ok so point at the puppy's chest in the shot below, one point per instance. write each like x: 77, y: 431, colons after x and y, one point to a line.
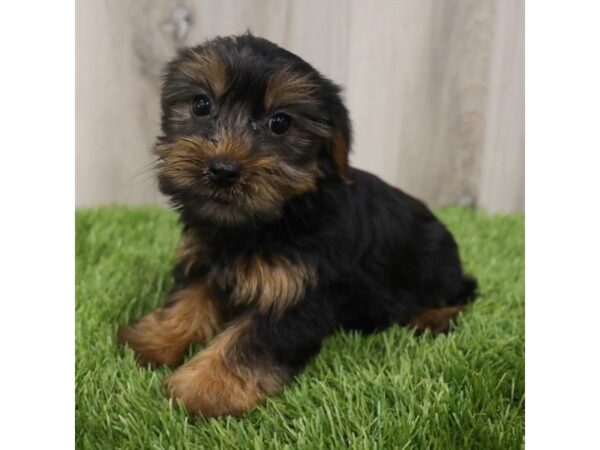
x: 268, y: 282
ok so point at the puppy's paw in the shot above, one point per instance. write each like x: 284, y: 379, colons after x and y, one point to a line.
x: 208, y: 388
x: 153, y: 343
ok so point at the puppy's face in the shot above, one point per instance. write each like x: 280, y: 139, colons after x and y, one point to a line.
x: 246, y: 127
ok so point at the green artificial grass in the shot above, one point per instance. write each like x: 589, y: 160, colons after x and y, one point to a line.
x: 385, y: 391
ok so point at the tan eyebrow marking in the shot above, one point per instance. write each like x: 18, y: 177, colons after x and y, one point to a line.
x: 208, y: 69
x: 288, y: 87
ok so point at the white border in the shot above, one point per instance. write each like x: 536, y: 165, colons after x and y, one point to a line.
x: 563, y: 224
x: 37, y: 227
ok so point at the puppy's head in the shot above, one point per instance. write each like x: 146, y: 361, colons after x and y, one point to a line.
x: 246, y: 127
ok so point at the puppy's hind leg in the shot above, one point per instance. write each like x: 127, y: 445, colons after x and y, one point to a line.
x: 439, y: 319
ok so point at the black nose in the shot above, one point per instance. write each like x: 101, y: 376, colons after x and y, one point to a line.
x: 224, y: 173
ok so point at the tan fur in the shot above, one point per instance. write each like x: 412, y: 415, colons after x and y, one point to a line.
x: 191, y: 252
x: 273, y: 284
x: 181, y: 114
x: 207, y: 69
x: 437, y: 320
x: 339, y: 154
x: 217, y: 382
x: 266, y: 183
x: 287, y: 87
x: 163, y: 336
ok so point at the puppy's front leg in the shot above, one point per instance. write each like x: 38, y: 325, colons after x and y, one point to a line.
x: 253, y: 358
x: 163, y: 336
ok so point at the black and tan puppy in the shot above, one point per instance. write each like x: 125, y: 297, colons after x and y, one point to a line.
x: 283, y: 242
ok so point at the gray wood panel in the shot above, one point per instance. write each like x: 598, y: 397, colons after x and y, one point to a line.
x: 435, y: 88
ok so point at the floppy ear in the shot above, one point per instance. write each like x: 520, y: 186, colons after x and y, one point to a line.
x: 340, y: 142
x: 339, y: 155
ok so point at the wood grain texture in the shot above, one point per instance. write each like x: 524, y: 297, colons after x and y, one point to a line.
x: 435, y: 88
x: 502, y: 182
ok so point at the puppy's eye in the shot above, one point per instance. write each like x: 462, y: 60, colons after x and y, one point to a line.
x: 201, y: 105
x: 280, y: 123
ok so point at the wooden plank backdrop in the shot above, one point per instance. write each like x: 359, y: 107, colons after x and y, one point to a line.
x: 435, y: 88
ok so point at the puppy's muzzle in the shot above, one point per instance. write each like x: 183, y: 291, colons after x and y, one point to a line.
x: 224, y: 172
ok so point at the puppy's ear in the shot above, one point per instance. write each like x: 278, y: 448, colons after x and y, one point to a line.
x: 341, y: 140
x: 339, y: 155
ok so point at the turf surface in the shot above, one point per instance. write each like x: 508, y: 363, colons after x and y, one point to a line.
x: 384, y: 391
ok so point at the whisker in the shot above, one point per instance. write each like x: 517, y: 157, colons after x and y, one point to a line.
x: 148, y: 167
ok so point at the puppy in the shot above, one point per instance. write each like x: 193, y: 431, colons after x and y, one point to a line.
x: 283, y: 242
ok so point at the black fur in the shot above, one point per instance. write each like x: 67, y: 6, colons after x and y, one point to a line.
x: 381, y: 256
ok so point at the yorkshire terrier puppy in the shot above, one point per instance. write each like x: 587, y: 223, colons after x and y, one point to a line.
x: 283, y: 242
